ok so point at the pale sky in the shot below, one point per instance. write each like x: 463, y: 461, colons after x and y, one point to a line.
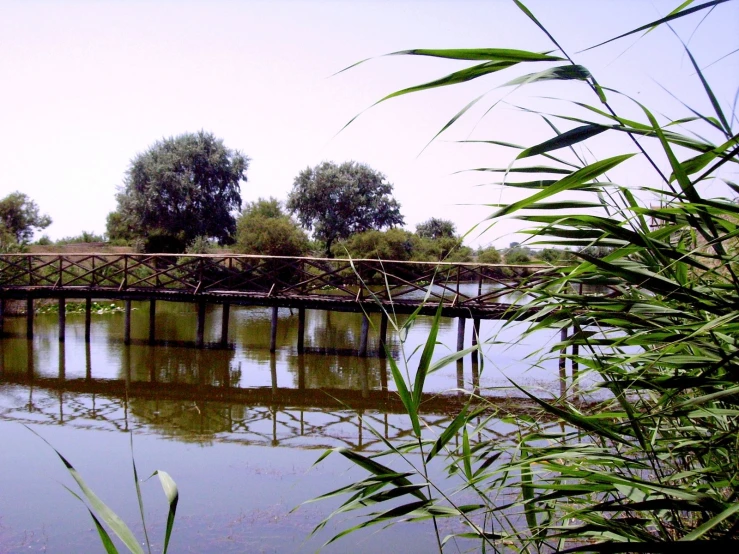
x: 89, y: 84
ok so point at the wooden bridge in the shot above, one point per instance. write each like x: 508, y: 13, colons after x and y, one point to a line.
x: 464, y: 290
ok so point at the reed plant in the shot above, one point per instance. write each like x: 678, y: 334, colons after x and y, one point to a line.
x: 101, y: 513
x: 652, y: 464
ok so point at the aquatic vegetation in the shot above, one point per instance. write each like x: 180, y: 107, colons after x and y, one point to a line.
x: 100, y: 511
x: 79, y: 308
x: 653, y: 463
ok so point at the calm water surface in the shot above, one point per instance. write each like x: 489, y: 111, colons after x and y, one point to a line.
x: 239, y: 429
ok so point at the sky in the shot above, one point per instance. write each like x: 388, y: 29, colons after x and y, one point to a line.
x: 88, y: 85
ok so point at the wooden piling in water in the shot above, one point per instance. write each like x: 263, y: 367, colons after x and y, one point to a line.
x: 62, y: 362
x: 273, y: 330
x: 575, y: 369
x: 88, y: 362
x: 29, y: 318
x: 201, y: 324
x: 62, y: 318
x: 461, y: 322
x: 475, y: 338
x: 152, y: 320
x: 301, y: 330
x: 88, y: 318
x: 562, y: 364
x: 364, y: 334
x: 127, y: 323
x: 225, y: 314
x: 383, y: 336
x: 2, y: 315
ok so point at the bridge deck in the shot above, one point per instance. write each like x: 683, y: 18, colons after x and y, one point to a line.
x: 480, y: 291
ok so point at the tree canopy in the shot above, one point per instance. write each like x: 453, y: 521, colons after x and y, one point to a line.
x: 264, y: 228
x: 181, y: 188
x: 20, y: 217
x: 436, y: 228
x: 337, y: 201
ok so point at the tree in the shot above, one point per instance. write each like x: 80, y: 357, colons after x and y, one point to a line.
x: 393, y: 244
x: 337, y: 201
x: 436, y: 228
x: 20, y: 217
x: 264, y: 228
x: 488, y: 255
x: 179, y: 189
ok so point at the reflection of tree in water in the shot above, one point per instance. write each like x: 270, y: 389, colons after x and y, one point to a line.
x: 189, y: 421
x: 180, y: 365
x: 321, y: 371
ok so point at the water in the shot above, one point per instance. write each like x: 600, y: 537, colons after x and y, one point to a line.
x: 239, y: 428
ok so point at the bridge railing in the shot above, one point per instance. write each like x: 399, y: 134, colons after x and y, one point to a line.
x: 460, y: 283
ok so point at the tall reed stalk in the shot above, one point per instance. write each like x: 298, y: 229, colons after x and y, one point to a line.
x: 654, y: 462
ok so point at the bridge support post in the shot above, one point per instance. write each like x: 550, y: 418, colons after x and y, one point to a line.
x: 563, y: 364
x: 273, y: 372
x: 62, y: 362
x: 88, y: 318
x: 2, y: 315
x: 475, y: 338
x: 383, y: 336
x: 575, y: 370
x: 301, y: 330
x: 461, y: 322
x: 152, y: 320
x: 62, y: 318
x: 127, y: 323
x: 363, y: 336
x: 273, y: 330
x: 460, y: 377
x: 225, y: 313
x: 29, y: 318
x: 201, y: 324
x: 88, y: 362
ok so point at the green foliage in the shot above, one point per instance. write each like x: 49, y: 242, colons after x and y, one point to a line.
x: 80, y: 308
x: 264, y: 228
x: 85, y: 236
x: 338, y: 201
x: 98, y: 510
x: 488, y: 255
x: 200, y: 245
x: 393, y: 244
x: 8, y: 244
x: 180, y: 188
x: 517, y: 255
x: 44, y: 241
x: 436, y: 228
x: 650, y: 463
x: 445, y: 249
x: 20, y: 218
x: 553, y: 255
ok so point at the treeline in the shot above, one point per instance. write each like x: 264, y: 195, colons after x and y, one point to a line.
x: 184, y: 195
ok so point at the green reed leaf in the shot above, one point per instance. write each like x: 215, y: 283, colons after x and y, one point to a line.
x: 574, y: 180
x: 105, y: 513
x: 671, y: 17
x: 564, y: 140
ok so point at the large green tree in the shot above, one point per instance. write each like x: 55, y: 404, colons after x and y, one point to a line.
x: 337, y: 201
x: 180, y: 188
x: 20, y: 217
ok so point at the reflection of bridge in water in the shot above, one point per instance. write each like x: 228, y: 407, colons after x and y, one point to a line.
x: 462, y: 290
x: 268, y: 416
